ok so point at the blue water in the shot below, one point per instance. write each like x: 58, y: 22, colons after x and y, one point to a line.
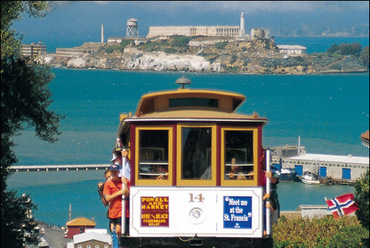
x: 328, y: 112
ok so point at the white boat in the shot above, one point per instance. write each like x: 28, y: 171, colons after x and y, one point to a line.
x: 310, y: 178
x: 288, y: 174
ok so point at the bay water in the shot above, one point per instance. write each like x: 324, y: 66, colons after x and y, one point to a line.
x: 328, y: 112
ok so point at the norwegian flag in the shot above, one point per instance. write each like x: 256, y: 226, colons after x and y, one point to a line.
x: 342, y: 205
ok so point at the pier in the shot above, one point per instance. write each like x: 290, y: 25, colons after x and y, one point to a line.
x: 74, y: 167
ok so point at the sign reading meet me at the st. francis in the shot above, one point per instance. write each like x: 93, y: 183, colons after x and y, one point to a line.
x: 238, y: 212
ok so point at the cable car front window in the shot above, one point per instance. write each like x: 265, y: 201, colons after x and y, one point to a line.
x: 153, y: 155
x: 196, y: 153
x: 239, y: 155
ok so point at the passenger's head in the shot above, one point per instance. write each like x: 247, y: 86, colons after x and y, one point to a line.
x: 113, y: 170
x: 107, y: 174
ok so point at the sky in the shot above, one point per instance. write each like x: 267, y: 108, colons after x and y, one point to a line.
x: 71, y: 23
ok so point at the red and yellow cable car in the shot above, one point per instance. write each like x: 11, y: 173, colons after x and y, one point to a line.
x: 196, y: 171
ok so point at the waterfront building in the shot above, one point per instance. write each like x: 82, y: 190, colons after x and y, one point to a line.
x: 33, y: 50
x: 338, y: 167
x: 292, y: 50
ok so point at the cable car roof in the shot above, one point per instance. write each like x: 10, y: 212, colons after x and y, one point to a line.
x: 188, y: 99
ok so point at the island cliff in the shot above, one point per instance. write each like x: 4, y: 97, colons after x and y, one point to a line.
x: 199, y: 54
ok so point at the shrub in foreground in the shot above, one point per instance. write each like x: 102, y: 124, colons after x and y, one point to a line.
x: 323, y: 232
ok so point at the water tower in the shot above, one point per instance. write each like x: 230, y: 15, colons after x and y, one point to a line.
x: 132, y: 28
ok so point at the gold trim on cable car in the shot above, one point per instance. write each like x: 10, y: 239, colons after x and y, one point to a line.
x: 239, y: 156
x: 153, y: 156
x: 196, y: 154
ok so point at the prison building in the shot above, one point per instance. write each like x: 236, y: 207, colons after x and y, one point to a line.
x: 33, y: 49
x: 229, y: 31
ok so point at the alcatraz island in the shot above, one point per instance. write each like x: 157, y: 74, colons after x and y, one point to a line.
x: 220, y: 49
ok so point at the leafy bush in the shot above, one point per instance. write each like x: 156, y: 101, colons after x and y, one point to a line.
x: 111, y: 49
x: 181, y: 41
x: 170, y: 50
x: 345, y: 49
x: 322, y: 232
x: 364, y: 56
x: 233, y: 59
x: 221, y: 45
x: 362, y: 199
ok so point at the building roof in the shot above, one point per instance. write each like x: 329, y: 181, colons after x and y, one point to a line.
x: 81, y: 221
x: 83, y: 237
x: 291, y: 47
x: 332, y: 158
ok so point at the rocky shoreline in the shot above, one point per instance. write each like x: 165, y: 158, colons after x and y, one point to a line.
x: 247, y: 57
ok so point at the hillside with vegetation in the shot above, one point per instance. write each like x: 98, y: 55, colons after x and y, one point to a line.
x: 212, y: 54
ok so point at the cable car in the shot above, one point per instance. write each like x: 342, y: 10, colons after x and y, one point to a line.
x: 196, y: 171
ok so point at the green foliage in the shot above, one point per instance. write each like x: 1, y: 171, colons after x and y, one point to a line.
x: 322, y: 232
x: 233, y: 59
x: 126, y: 42
x: 17, y: 222
x: 362, y: 199
x: 151, y: 46
x: 181, y: 41
x: 364, y: 56
x: 112, y: 48
x: 170, y: 50
x: 345, y: 49
x: 25, y: 99
x: 221, y: 45
x: 350, y: 237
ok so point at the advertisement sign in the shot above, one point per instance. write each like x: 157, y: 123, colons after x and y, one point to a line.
x: 154, y: 211
x: 238, y: 212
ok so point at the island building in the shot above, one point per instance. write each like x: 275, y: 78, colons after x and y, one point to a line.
x: 33, y: 50
x: 345, y: 169
x: 257, y: 33
x: 292, y: 50
x: 228, y: 31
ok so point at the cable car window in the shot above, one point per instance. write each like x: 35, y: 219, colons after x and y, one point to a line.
x: 239, y: 155
x: 194, y: 102
x: 196, y: 153
x: 153, y: 154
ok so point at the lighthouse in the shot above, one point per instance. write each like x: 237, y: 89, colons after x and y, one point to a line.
x: 241, y: 29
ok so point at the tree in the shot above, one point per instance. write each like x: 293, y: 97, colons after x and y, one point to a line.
x: 362, y: 199
x: 25, y: 99
x: 364, y: 56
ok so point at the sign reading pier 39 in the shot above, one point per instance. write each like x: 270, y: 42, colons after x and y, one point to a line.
x: 201, y: 211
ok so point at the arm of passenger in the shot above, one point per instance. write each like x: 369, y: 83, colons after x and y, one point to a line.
x: 272, y: 178
x: 109, y: 198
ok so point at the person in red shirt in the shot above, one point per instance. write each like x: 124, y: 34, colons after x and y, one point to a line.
x: 113, y: 192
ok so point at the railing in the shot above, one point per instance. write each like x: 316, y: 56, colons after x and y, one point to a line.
x: 27, y: 168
